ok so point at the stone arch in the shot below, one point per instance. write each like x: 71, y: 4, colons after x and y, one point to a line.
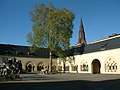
x: 84, y: 65
x: 110, y: 64
x: 67, y: 66
x: 96, y: 65
x: 59, y: 68
x: 74, y: 67
x: 29, y: 66
x: 40, y: 66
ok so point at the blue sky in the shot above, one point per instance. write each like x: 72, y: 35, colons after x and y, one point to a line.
x: 101, y: 18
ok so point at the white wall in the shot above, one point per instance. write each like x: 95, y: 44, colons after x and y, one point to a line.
x: 102, y: 56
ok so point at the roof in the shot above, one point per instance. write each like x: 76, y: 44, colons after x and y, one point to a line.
x: 16, y: 50
x: 109, y: 37
x: 103, y: 45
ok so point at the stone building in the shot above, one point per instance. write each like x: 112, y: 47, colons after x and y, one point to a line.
x: 100, y: 56
x: 31, y: 62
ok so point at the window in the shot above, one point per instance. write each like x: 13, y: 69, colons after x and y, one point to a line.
x: 59, y: 68
x: 74, y: 68
x: 110, y: 65
x: 103, y: 46
x: 66, y: 68
x: 84, y: 66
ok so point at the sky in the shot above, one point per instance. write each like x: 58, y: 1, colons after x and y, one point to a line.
x: 101, y: 18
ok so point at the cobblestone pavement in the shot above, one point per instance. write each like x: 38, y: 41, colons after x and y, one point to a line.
x: 64, y: 77
x: 63, y: 82
x: 67, y: 77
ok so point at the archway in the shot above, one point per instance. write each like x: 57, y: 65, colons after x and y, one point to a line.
x: 40, y: 66
x: 96, y: 66
x: 30, y: 67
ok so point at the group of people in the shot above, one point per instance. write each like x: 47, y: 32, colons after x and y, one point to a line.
x: 43, y: 69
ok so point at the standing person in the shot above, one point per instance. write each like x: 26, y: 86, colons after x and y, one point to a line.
x: 33, y: 67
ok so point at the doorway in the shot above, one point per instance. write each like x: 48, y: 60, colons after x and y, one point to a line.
x: 29, y: 67
x: 96, y: 66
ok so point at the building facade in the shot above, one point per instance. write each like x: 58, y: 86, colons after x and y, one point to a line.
x: 98, y: 57
x: 31, y: 62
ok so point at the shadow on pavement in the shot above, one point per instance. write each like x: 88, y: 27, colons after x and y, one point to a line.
x: 64, y: 85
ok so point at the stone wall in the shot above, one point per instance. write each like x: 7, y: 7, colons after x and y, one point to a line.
x: 34, y: 62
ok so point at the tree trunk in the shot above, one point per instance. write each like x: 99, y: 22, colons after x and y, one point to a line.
x: 63, y: 66
x: 50, y: 62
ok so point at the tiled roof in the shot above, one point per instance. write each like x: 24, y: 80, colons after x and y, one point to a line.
x: 99, y: 46
x: 103, y: 45
x: 15, y: 50
x: 113, y: 43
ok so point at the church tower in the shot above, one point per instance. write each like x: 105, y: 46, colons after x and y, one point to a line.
x: 81, y: 38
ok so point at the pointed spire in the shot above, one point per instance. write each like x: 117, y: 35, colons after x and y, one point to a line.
x: 81, y: 39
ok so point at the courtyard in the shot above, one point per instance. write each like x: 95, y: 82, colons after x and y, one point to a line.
x: 63, y: 82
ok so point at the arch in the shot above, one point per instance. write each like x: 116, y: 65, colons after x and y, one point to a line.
x: 30, y: 66
x: 84, y: 66
x: 59, y: 68
x: 40, y: 66
x: 110, y: 64
x: 66, y: 66
x: 96, y: 66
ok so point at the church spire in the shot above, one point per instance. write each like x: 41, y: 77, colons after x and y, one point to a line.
x: 81, y: 39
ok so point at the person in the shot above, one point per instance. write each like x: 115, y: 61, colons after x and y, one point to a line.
x: 29, y: 68
x: 33, y: 67
x: 19, y: 65
x: 14, y: 60
x: 46, y: 70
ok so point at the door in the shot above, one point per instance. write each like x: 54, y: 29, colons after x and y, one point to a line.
x: 96, y: 66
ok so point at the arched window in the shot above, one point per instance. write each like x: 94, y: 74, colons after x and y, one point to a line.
x: 110, y: 65
x: 30, y: 67
x: 74, y: 67
x: 59, y: 68
x: 66, y: 68
x: 84, y: 66
x: 40, y: 66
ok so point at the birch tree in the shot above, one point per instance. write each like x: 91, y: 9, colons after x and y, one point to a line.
x: 52, y: 27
